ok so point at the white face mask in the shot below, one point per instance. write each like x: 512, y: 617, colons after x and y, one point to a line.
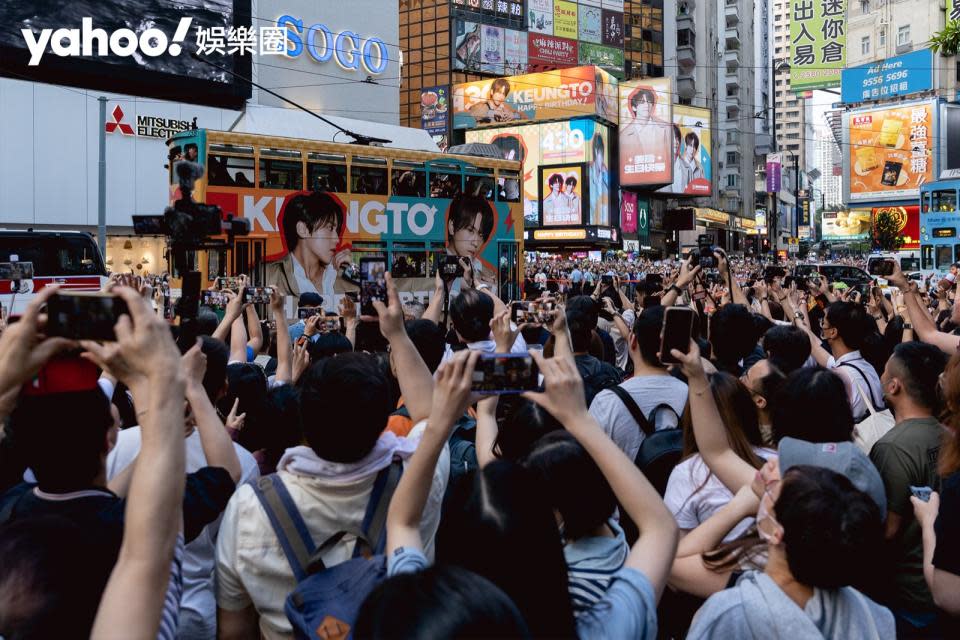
x: 766, y: 523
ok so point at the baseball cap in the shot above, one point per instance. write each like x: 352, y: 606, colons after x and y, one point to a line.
x: 841, y: 457
x: 310, y: 299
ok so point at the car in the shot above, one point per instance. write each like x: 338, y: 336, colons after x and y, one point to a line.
x: 853, y: 277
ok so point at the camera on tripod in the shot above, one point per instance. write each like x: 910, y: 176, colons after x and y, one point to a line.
x: 189, y: 225
x: 706, y: 252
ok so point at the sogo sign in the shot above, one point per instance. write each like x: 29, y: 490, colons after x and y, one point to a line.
x: 349, y: 49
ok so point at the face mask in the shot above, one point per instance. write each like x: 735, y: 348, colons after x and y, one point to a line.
x: 765, y: 521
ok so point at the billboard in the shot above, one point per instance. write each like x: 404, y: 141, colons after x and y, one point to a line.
x: 609, y: 58
x: 891, y: 151
x: 434, y: 107
x: 646, y: 132
x: 819, y: 43
x: 628, y: 212
x: 550, y: 95
x: 491, y: 49
x: 692, y: 155
x: 891, y: 78
x: 565, y: 19
x: 514, y: 52
x: 467, y: 45
x: 612, y: 28
x: 908, y: 223
x: 854, y: 224
x: 561, y: 195
x: 167, y: 71
x: 577, y: 141
x: 774, y: 171
x: 588, y: 25
x: 546, y: 53
x: 540, y: 14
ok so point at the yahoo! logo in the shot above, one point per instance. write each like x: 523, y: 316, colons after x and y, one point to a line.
x: 349, y: 49
x: 122, y: 42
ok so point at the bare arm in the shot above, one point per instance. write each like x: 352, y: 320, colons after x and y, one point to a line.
x: 284, y: 348
x: 216, y: 442
x: 348, y: 311
x: 254, y: 330
x: 688, y: 273
x: 233, y: 311
x: 238, y: 341
x: 944, y: 586
x: 923, y: 324
x: 134, y: 595
x: 487, y: 430
x: 434, y: 310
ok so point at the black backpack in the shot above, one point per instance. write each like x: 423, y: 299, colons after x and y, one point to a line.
x: 661, y: 450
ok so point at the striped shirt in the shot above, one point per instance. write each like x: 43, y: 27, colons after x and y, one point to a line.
x: 592, y: 564
x: 170, y: 617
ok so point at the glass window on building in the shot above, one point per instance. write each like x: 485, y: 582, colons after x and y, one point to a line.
x: 882, y: 37
x: 865, y: 45
x: 903, y: 35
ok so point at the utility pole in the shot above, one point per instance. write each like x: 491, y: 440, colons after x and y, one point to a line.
x: 102, y: 181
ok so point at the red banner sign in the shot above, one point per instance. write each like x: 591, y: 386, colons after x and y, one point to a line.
x: 546, y: 53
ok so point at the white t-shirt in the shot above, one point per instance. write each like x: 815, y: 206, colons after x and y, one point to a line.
x: 198, y: 607
x: 647, y: 392
x: 861, y: 372
x: 691, y: 507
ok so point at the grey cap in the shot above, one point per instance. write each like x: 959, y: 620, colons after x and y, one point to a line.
x: 842, y: 457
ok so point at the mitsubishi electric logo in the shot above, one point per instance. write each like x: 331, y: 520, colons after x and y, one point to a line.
x: 147, y: 126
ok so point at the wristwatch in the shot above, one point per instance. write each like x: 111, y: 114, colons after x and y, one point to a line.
x: 907, y: 325
x: 798, y: 315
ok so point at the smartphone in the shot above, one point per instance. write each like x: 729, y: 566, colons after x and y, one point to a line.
x: 881, y: 268
x: 505, y: 373
x: 329, y: 324
x: 214, y: 299
x: 231, y: 283
x: 81, y: 315
x: 16, y: 270
x: 533, y: 312
x: 257, y: 295
x: 922, y: 493
x: 307, y: 312
x: 891, y: 173
x: 770, y: 273
x: 451, y: 268
x: 787, y: 281
x: 302, y: 340
x: 655, y: 280
x: 677, y: 327
x: 606, y: 280
x: 373, y: 285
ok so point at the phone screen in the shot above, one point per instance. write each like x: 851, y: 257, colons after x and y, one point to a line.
x: 451, y: 268
x: 329, y: 324
x: 504, y: 373
x: 533, y: 312
x: 215, y: 299
x: 881, y: 267
x: 228, y: 283
x: 307, y: 312
x: 257, y: 295
x: 677, y: 326
x: 84, y: 316
x: 373, y: 285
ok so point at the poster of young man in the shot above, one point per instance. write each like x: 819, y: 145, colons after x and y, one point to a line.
x: 646, y: 132
x: 561, y: 190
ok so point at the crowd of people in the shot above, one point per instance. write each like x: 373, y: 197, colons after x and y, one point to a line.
x: 790, y: 472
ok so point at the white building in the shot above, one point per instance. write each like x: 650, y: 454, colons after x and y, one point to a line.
x: 829, y: 162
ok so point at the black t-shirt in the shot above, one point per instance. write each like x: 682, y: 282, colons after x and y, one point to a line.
x: 946, y: 557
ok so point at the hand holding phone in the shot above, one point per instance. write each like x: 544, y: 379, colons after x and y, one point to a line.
x: 373, y: 284
x: 921, y: 493
x: 214, y: 299
x: 505, y: 373
x: 257, y: 295
x: 882, y: 268
x: 677, y: 329
x: 79, y: 315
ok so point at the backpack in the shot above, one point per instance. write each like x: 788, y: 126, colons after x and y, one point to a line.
x: 326, y: 601
x: 596, y: 381
x: 661, y: 450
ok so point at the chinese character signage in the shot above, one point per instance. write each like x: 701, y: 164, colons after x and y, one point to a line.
x: 588, y: 23
x: 610, y: 58
x: 890, y: 78
x: 692, y: 170
x: 546, y: 53
x: 818, y: 43
x: 434, y: 107
x: 491, y: 47
x: 774, y: 169
x: 891, y: 151
x: 612, y: 28
x: 562, y: 93
x: 854, y: 224
x: 514, y: 52
x: 646, y: 132
x: 565, y: 19
x: 908, y: 223
x: 628, y: 212
x: 540, y: 13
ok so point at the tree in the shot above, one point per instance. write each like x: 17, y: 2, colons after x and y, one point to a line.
x: 947, y: 42
x: 886, y: 231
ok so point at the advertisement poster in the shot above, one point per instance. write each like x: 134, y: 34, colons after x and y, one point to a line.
x: 891, y: 78
x: 610, y: 58
x: 953, y: 10
x: 491, y: 46
x: 540, y: 14
x: 628, y: 212
x: 891, y: 151
x: 434, y: 107
x: 466, y: 45
x: 854, y: 224
x: 588, y: 23
x: 599, y: 172
x: 514, y: 52
x: 565, y: 19
x: 613, y: 5
x: 819, y: 44
x: 646, y: 132
x: 539, y: 96
x: 581, y: 140
x: 562, y: 203
x: 546, y: 53
x: 908, y: 223
x: 612, y: 28
x: 774, y: 171
x: 692, y: 170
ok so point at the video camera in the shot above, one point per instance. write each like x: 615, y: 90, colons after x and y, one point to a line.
x: 706, y: 252
x: 189, y: 224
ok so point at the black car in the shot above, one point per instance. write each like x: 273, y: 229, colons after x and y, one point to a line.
x: 853, y: 277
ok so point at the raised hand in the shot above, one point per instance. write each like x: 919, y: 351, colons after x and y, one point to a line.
x: 563, y: 394
x: 23, y: 347
x: 504, y: 334
x: 690, y: 362
x: 391, y: 314
x: 451, y: 392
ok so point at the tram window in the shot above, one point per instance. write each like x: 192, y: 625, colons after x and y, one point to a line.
x: 281, y: 174
x: 327, y: 177
x: 409, y: 260
x: 230, y: 171
x: 481, y: 186
x: 945, y: 200
x: 445, y: 185
x: 409, y: 179
x: 368, y: 180
x: 944, y: 256
x: 509, y: 186
x: 911, y: 264
x: 926, y: 257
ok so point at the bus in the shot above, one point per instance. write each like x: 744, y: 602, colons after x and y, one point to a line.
x: 939, y: 226
x: 317, y: 208
x: 66, y: 258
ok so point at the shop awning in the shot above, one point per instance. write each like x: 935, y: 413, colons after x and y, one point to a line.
x: 291, y: 123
